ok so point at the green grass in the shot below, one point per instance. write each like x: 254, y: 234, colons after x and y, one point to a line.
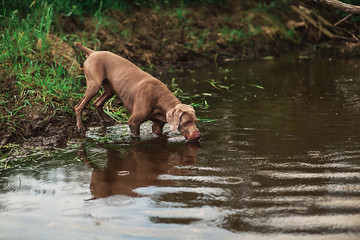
x: 31, y: 75
x: 25, y: 51
x: 51, y: 84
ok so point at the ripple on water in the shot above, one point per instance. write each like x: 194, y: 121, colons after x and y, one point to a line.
x: 309, y: 175
x: 204, y: 179
x: 118, y: 200
x: 110, y: 207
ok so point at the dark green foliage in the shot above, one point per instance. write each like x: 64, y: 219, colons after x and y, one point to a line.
x: 84, y: 7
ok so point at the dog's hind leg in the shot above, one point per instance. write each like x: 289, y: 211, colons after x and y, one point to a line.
x: 93, y: 87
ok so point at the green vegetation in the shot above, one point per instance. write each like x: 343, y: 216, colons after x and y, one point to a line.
x: 32, y: 76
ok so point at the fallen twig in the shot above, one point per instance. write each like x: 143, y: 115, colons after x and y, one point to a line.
x: 313, y: 22
x: 343, y: 20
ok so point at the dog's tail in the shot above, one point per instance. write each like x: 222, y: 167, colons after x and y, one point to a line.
x: 86, y: 50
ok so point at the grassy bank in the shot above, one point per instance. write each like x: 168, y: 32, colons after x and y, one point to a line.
x: 40, y: 80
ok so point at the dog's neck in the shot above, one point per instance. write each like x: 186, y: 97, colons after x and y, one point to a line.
x: 169, y: 103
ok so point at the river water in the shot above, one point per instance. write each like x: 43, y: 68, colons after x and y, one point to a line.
x: 279, y: 159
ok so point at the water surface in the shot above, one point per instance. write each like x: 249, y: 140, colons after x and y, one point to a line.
x: 280, y: 161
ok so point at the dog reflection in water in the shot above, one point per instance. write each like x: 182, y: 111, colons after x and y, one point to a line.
x: 139, y: 167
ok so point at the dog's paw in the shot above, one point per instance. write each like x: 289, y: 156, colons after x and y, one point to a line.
x: 81, y: 131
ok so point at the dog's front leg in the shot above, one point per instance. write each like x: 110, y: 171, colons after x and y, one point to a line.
x: 134, y: 123
x: 157, y: 127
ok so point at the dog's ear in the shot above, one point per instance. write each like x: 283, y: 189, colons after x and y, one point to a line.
x: 190, y: 109
x: 173, y: 118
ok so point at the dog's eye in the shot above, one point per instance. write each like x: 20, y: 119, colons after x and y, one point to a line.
x: 187, y: 123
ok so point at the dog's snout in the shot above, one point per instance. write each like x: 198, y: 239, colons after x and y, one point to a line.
x: 195, y: 136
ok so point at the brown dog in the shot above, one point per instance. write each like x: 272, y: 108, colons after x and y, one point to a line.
x: 144, y: 96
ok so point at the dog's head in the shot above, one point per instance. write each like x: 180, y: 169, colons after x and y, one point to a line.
x: 182, y: 117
